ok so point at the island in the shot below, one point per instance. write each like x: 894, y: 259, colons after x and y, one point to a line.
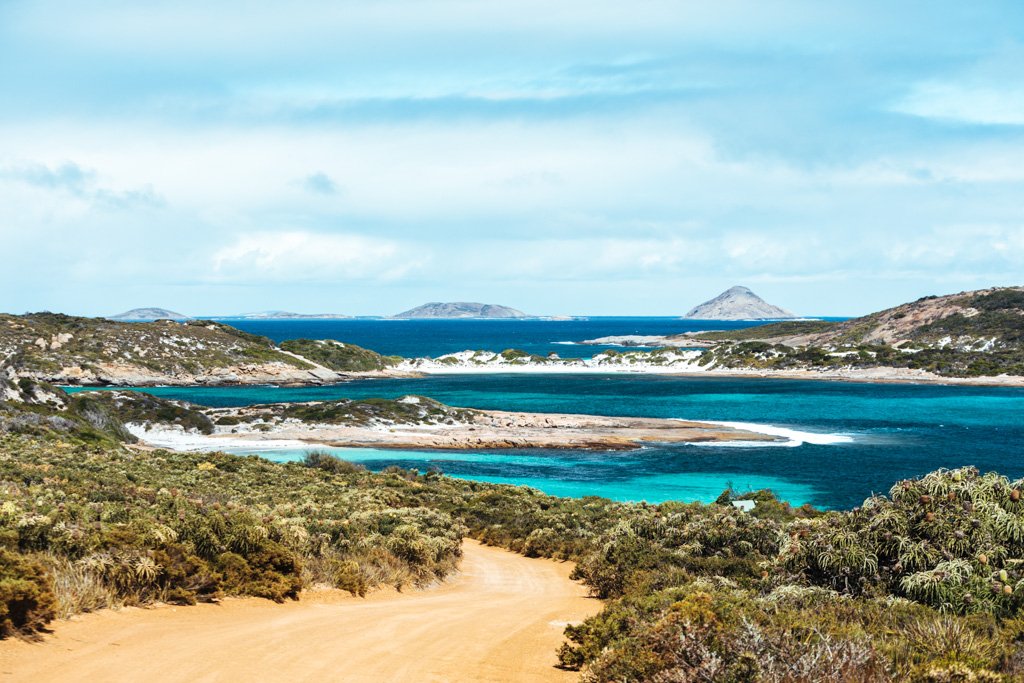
x: 461, y: 309
x: 148, y: 315
x: 284, y: 315
x: 738, y: 303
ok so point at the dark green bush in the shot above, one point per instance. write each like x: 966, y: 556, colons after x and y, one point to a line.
x: 330, y: 463
x: 27, y: 602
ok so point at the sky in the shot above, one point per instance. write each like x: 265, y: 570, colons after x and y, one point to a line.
x: 578, y: 157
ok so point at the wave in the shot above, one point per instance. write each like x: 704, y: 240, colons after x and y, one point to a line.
x: 567, y: 343
x: 793, y: 437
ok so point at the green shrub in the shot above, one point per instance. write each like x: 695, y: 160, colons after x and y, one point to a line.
x: 27, y: 602
x: 322, y: 460
x: 340, y: 357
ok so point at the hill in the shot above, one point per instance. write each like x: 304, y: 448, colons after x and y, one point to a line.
x: 147, y: 315
x: 339, y: 356
x: 737, y: 303
x: 969, y: 334
x: 978, y: 320
x: 461, y: 309
x: 65, y: 349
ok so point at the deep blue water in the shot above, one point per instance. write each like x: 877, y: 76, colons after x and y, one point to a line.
x: 898, y: 431
x: 415, y: 338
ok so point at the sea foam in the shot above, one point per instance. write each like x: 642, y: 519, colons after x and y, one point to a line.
x: 793, y: 437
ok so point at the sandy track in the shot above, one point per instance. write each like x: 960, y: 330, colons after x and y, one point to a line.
x: 500, y: 619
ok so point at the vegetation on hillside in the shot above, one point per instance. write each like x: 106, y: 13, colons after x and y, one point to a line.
x: 405, y: 410
x: 47, y: 345
x: 975, y: 334
x: 948, y: 362
x: 962, y: 320
x: 338, y: 356
x: 786, y: 328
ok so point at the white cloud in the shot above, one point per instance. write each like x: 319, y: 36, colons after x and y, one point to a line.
x: 81, y: 183
x: 995, y: 104
x: 320, y: 183
x: 298, y: 256
x: 991, y: 92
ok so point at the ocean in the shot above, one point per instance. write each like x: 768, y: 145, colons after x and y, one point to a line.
x: 846, y: 440
x: 417, y: 338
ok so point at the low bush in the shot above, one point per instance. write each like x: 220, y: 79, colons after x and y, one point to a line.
x: 27, y: 602
x: 322, y: 460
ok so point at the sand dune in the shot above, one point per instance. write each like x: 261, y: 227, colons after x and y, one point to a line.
x: 500, y: 619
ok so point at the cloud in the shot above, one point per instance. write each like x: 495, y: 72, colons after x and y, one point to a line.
x: 299, y: 256
x: 582, y: 151
x: 320, y: 183
x: 988, y: 92
x: 66, y: 176
x: 981, y: 103
x: 80, y: 182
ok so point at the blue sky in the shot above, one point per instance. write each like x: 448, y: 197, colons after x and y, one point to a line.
x: 574, y: 157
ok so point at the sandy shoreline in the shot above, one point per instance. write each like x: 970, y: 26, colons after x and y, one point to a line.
x: 482, y: 429
x: 868, y: 375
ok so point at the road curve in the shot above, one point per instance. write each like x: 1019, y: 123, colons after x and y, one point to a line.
x: 499, y: 619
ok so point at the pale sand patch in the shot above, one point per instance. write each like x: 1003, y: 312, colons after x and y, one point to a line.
x: 499, y: 619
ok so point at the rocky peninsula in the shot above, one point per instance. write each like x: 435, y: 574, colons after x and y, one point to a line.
x: 411, y: 422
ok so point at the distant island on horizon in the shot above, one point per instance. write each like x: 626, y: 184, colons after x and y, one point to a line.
x: 462, y: 309
x: 738, y: 303
x: 148, y: 314
x: 285, y: 315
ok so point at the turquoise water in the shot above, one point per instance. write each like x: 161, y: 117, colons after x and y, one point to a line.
x: 896, y: 431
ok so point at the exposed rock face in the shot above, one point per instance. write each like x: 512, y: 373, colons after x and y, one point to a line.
x: 461, y: 309
x: 147, y: 315
x: 738, y: 303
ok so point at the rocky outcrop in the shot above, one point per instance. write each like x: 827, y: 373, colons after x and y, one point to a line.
x: 738, y: 303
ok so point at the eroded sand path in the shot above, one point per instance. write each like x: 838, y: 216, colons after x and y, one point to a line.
x: 500, y: 619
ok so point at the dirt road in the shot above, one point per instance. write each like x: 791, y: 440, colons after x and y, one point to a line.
x: 500, y: 619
